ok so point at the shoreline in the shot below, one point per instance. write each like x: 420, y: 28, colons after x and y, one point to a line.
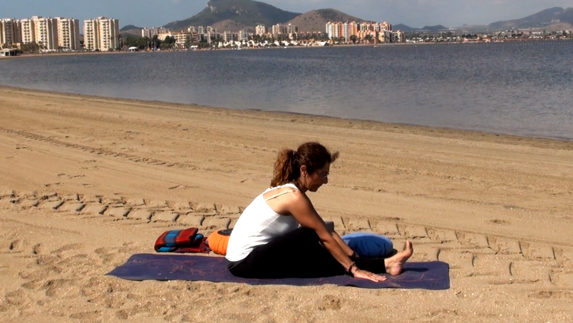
x: 360, y: 123
x: 380, y: 45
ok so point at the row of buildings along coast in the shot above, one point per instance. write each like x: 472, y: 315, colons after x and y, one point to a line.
x: 335, y: 32
x: 52, y: 34
x: 342, y: 32
x: 102, y: 33
x: 375, y: 32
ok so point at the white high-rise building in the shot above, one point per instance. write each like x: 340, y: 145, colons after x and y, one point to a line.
x: 9, y: 31
x: 150, y: 32
x: 28, y: 31
x: 48, y: 33
x: 292, y: 29
x: 90, y: 30
x: 109, y: 32
x: 45, y: 32
x: 242, y: 35
x: 278, y: 29
x: 68, y: 33
x: 101, y: 33
x: 260, y: 30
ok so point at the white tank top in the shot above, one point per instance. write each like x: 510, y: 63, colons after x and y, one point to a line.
x: 258, y: 225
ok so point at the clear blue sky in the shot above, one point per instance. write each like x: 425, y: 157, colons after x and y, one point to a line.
x: 414, y: 13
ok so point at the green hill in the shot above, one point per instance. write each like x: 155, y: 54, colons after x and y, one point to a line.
x: 246, y: 13
x: 316, y: 20
x: 130, y: 30
x: 129, y: 27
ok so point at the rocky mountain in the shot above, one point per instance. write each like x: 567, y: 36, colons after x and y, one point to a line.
x: 238, y: 14
x: 550, y: 19
x: 316, y: 20
x: 234, y: 15
x: 541, y: 19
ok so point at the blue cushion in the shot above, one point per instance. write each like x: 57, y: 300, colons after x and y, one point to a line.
x: 367, y: 244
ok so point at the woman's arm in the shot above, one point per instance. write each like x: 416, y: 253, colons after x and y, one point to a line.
x: 343, y: 244
x: 302, y: 209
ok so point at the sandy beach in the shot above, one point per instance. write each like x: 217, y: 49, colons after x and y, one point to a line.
x: 85, y: 182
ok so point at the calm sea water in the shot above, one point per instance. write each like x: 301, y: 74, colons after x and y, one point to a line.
x: 513, y: 88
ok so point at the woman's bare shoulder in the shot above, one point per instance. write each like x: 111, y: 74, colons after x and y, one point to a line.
x: 283, y: 191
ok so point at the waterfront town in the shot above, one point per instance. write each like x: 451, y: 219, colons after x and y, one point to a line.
x: 44, y: 35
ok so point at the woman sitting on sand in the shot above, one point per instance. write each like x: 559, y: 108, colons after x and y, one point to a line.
x: 267, y: 241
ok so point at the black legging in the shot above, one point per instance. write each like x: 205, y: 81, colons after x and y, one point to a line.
x: 297, y: 254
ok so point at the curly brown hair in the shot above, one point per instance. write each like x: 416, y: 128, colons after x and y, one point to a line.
x: 288, y: 163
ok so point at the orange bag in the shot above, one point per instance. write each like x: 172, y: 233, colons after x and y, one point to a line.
x: 219, y: 240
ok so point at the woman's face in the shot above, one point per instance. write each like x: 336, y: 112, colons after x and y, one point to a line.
x: 320, y: 177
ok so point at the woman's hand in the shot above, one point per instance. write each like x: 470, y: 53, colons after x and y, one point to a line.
x: 359, y: 273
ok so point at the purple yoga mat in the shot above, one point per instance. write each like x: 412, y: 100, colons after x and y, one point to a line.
x: 432, y: 275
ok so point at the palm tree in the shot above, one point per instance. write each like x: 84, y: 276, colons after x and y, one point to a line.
x: 353, y: 38
x: 41, y: 46
x: 120, y: 41
x: 368, y: 38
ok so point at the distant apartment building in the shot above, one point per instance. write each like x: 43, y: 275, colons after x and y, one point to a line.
x: 182, y: 38
x: 150, y: 32
x: 291, y: 29
x: 49, y: 33
x: 27, y: 31
x: 278, y: 29
x: 8, y: 31
x: 164, y: 35
x: 333, y: 29
x: 45, y: 32
x: 353, y: 28
x: 90, y: 35
x: 40, y: 30
x: 5, y: 35
x: 17, y: 30
x: 399, y: 36
x: 260, y: 30
x: 211, y: 37
x: 376, y: 32
x: 375, y: 26
x: 242, y: 35
x: 68, y: 33
x: 101, y: 34
x: 346, y: 32
x: 385, y: 36
x: 228, y: 36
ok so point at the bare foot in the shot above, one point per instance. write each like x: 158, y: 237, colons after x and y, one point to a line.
x: 395, y: 263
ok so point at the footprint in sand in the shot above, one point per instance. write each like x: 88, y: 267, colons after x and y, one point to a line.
x: 38, y: 249
x: 329, y: 302
x: 498, y: 222
x: 17, y: 245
